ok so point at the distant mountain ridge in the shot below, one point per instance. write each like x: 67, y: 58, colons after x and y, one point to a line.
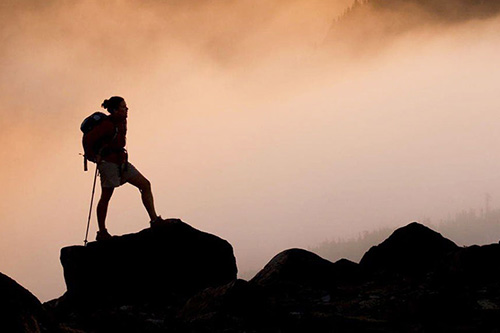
x: 465, y: 227
x: 442, y: 9
x: 373, y: 22
x: 439, y: 9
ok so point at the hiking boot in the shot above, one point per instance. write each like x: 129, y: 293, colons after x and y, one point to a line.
x: 103, y: 235
x: 156, y: 222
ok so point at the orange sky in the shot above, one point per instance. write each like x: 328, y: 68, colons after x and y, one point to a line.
x: 247, y: 125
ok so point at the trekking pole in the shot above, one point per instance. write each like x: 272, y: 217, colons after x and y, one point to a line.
x: 90, y: 210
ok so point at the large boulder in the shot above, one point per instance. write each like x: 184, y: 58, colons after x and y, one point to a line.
x: 171, y: 261
x: 414, y: 250
x: 301, y: 267
x: 20, y: 310
x: 295, y: 266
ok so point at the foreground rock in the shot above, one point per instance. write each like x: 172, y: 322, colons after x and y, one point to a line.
x: 170, y: 261
x: 20, y: 311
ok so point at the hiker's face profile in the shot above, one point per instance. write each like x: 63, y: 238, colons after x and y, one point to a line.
x: 122, y: 110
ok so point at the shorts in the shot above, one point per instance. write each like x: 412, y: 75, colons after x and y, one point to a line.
x: 112, y: 177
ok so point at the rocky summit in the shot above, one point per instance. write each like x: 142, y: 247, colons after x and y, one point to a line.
x: 171, y: 260
x: 174, y: 278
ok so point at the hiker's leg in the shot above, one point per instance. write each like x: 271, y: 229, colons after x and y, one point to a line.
x: 144, y: 186
x: 102, y: 206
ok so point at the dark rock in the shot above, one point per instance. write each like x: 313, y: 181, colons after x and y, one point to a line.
x: 346, y: 271
x: 295, y: 282
x: 20, y: 310
x: 236, y: 304
x: 303, y: 292
x: 414, y: 249
x: 301, y: 267
x: 473, y: 264
x: 295, y: 266
x: 237, y: 297
x: 170, y: 261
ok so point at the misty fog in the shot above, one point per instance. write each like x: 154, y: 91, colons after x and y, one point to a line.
x: 250, y: 122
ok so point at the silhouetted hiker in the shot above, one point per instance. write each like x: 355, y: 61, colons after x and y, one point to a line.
x: 105, y: 145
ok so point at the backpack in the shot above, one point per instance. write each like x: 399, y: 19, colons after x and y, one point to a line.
x: 92, y: 121
x: 88, y: 125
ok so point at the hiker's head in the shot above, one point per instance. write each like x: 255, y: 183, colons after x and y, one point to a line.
x: 116, y: 106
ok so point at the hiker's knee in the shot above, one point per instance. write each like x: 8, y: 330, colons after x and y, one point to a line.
x: 141, y: 183
x: 145, y: 185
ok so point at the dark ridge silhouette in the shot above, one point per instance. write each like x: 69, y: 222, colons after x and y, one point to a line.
x: 174, y: 278
x: 169, y: 261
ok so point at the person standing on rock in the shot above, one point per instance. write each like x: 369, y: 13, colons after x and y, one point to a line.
x: 107, y: 142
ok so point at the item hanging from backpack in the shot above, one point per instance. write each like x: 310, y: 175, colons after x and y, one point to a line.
x: 88, y: 125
